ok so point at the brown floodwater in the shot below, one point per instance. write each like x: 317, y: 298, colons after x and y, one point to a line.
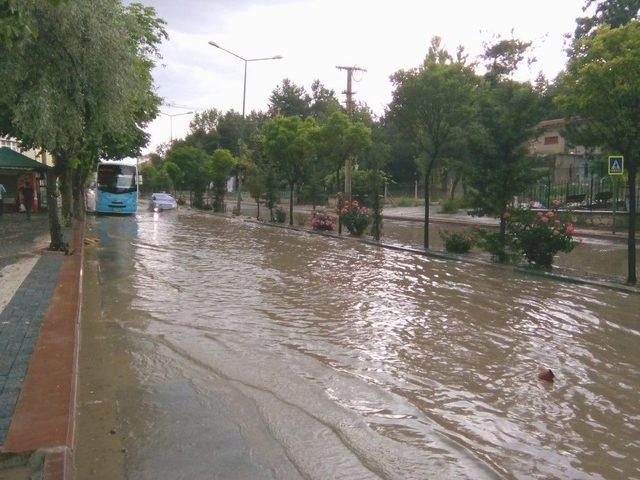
x: 264, y: 353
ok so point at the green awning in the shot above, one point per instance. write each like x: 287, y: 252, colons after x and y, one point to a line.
x: 12, y: 160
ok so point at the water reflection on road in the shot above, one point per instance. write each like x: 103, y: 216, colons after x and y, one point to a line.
x: 269, y: 354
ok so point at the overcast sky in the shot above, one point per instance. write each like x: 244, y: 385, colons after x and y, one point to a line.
x: 314, y: 36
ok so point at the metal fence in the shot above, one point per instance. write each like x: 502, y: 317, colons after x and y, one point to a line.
x: 594, y: 194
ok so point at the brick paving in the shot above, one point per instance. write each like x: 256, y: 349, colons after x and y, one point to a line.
x: 20, y: 323
x: 20, y: 237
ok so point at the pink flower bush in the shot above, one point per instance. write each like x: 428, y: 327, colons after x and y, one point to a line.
x: 322, y: 221
x: 355, y: 218
x: 539, y: 236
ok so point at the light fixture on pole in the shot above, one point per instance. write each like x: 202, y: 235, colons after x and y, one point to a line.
x: 171, y: 115
x: 244, y: 96
x: 246, y: 61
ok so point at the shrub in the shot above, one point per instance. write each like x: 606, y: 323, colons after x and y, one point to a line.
x: 450, y: 206
x: 181, y: 201
x: 279, y: 215
x: 489, y: 241
x: 539, y: 236
x: 207, y: 206
x: 322, y: 221
x: 457, y: 242
x: 355, y: 217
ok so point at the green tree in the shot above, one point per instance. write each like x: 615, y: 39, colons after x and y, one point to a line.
x: 289, y: 99
x: 508, y: 114
x: 601, y: 96
x: 176, y: 176
x: 323, y: 101
x: 435, y: 103
x: 289, y: 145
x: 255, y: 183
x: 614, y: 13
x: 204, y: 130
x: 16, y: 20
x: 149, y: 174
x: 339, y: 139
x: 81, y: 88
x: 503, y: 57
x: 221, y: 166
x: 196, y: 167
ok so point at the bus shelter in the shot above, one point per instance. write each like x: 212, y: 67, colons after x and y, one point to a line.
x: 17, y: 170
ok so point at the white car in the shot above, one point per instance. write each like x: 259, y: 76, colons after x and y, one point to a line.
x: 162, y: 201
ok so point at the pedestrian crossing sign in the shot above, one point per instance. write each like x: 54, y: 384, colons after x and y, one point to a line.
x: 616, y: 165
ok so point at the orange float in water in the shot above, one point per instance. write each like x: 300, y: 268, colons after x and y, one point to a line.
x: 546, y: 375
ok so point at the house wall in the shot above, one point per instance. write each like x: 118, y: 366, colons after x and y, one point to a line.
x: 13, y: 144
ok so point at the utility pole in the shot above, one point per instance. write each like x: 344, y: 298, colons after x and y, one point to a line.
x: 350, y: 105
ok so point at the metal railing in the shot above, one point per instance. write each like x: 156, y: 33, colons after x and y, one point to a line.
x: 593, y: 194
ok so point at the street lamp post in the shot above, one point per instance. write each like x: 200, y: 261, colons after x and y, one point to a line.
x: 244, y: 97
x: 171, y: 115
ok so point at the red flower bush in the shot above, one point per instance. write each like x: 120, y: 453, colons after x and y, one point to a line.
x: 355, y: 217
x: 322, y: 221
x: 539, y: 236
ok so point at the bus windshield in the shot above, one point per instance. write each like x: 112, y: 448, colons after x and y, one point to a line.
x: 117, y: 178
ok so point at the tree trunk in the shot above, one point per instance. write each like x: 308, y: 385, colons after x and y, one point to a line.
x: 454, y: 185
x: 79, y: 206
x: 258, y: 215
x: 218, y: 199
x: 197, y: 198
x: 66, y: 186
x: 444, y: 176
x: 291, y: 185
x: 631, y: 242
x: 376, y: 208
x: 427, y: 181
x: 57, y: 242
x: 239, y: 194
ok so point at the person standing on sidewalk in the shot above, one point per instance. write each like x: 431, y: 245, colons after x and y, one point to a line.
x: 27, y: 198
x: 2, y: 194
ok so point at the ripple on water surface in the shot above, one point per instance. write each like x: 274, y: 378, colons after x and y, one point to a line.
x: 378, y: 363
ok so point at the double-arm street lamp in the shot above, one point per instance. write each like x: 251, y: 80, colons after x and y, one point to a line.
x: 246, y: 61
x: 244, y: 96
x: 171, y: 115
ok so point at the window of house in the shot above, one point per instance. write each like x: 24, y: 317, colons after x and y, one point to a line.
x: 552, y: 140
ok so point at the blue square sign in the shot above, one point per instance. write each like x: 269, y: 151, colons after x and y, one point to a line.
x: 616, y: 165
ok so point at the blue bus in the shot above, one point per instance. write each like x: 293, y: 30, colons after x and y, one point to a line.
x: 117, y: 187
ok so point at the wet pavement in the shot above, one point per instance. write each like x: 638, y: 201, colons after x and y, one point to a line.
x: 241, y: 351
x: 20, y: 323
x: 19, y: 237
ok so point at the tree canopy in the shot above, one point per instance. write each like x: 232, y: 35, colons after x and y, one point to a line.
x: 600, y: 93
x: 434, y: 103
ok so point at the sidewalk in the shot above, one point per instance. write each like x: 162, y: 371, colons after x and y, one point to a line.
x: 416, y: 214
x: 38, y: 349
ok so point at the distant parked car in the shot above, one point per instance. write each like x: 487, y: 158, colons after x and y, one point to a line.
x: 162, y: 201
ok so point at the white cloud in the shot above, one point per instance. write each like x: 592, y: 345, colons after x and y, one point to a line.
x: 316, y: 35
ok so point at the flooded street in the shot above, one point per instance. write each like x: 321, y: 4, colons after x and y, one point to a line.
x: 251, y: 352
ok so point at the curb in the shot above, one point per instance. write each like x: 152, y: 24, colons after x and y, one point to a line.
x: 44, y: 417
x: 460, y: 258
